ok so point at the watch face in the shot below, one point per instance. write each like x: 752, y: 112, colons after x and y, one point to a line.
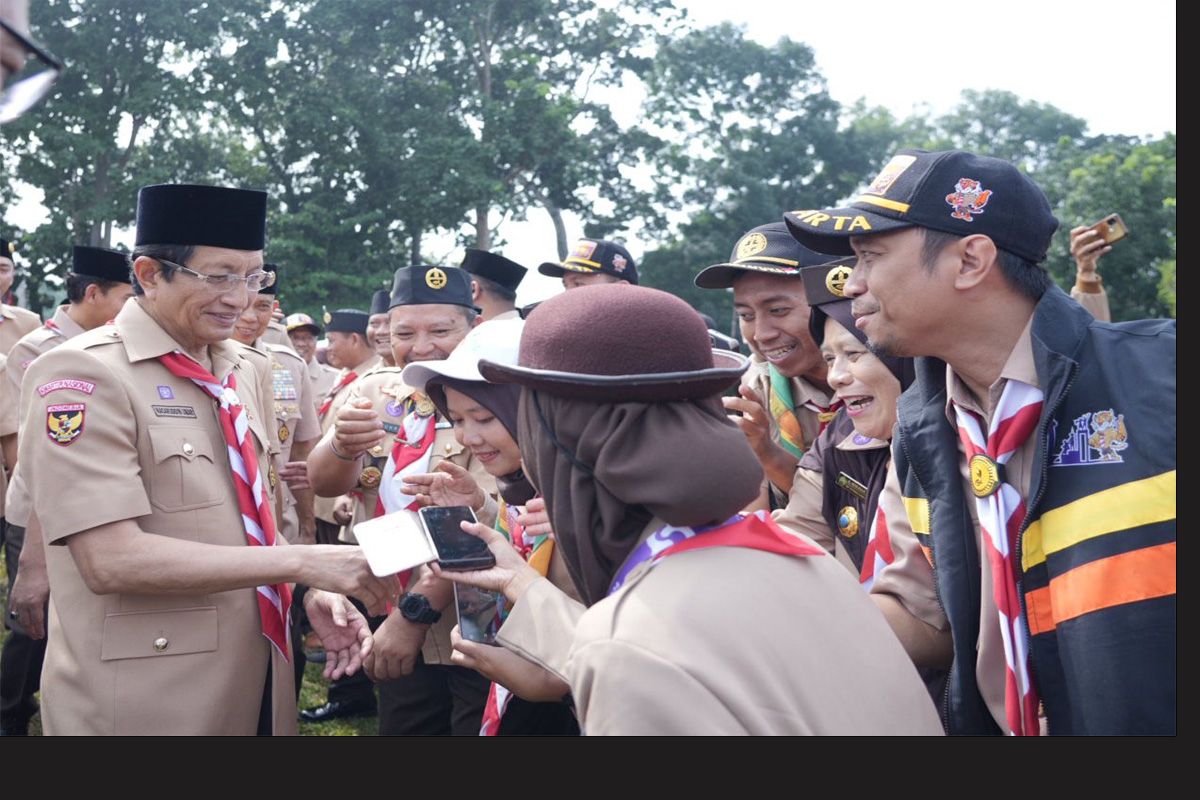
x: 411, y: 604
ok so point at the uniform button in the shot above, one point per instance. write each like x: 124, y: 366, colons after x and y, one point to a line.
x: 449, y: 447
x: 188, y: 449
x: 161, y: 644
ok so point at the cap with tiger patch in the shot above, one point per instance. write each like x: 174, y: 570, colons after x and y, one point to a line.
x: 592, y: 256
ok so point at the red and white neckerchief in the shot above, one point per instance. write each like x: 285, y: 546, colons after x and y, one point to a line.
x: 825, y: 414
x: 52, y: 325
x: 344, y: 381
x: 274, y: 601
x: 1001, y: 511
x: 411, y: 453
x: 878, y: 553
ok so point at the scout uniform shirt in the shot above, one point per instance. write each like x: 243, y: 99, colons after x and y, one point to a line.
x: 321, y: 378
x: 110, y: 435
x: 910, y: 578
x: 295, y: 421
x: 661, y: 656
x: 323, y: 506
x: 57, y: 330
x: 386, y: 391
x: 852, y: 489
x: 15, y: 322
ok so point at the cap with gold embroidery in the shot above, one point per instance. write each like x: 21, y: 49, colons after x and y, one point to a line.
x: 949, y: 191
x: 431, y: 285
x: 7, y: 249
x: 595, y: 255
x: 768, y: 248
x: 346, y: 320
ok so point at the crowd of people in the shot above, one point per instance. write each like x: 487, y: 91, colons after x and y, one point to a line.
x: 937, y: 495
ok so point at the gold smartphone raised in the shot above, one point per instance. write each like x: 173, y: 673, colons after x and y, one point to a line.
x: 1112, y: 228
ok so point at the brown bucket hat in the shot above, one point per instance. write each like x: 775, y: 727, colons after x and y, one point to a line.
x: 619, y: 343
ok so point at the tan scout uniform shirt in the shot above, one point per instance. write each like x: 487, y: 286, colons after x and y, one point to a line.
x: 4, y: 400
x: 31, y: 345
x: 15, y: 322
x: 384, y: 388
x: 295, y: 421
x: 909, y: 578
x: 677, y: 651
x: 321, y: 378
x: 323, y: 506
x: 276, y: 334
x: 758, y: 379
x: 148, y: 447
x: 803, y: 513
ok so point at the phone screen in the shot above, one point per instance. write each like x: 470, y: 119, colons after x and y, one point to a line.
x: 480, y: 613
x: 456, y: 548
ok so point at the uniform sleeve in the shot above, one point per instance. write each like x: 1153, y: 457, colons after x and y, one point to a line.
x: 622, y: 689
x: 79, y: 452
x: 310, y: 426
x: 803, y: 511
x: 1093, y: 297
x: 909, y: 575
x: 19, y: 359
x: 542, y: 625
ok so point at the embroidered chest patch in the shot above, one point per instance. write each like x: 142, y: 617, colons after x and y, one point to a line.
x: 1095, y: 437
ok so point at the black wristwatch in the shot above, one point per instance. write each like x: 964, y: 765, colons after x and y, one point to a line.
x: 415, y: 608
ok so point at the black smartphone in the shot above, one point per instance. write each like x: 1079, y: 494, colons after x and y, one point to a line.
x: 480, y: 613
x: 456, y: 549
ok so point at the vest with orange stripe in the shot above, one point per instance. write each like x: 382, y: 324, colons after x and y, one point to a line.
x: 1097, y: 547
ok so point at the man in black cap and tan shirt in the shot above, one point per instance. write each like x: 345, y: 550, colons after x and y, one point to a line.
x: 420, y: 692
x: 170, y: 590
x: 591, y: 262
x: 377, y: 327
x: 346, y: 329
x: 494, y: 282
x: 784, y: 401
x: 97, y: 287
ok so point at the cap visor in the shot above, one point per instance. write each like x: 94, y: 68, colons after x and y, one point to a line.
x: 723, y: 276
x: 832, y: 234
x: 552, y: 269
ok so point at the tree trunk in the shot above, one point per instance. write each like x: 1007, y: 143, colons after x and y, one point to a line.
x: 483, y: 231
x: 560, y: 228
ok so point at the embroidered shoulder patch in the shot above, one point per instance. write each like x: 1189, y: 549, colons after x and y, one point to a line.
x: 1095, y: 437
x: 73, y: 384
x: 64, y: 423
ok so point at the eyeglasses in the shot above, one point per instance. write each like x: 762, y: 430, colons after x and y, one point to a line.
x: 220, y: 284
x: 25, y: 93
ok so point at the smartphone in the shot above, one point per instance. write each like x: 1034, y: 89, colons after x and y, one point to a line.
x: 1111, y: 228
x: 480, y: 613
x: 457, y: 549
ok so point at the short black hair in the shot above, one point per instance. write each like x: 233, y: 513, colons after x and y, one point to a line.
x: 179, y: 253
x: 496, y: 290
x: 77, y: 286
x: 1026, y: 277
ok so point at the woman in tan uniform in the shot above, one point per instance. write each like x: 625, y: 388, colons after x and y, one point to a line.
x: 696, y: 619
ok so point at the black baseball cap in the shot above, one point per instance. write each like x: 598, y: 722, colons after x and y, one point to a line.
x: 431, y: 285
x: 946, y: 190
x: 768, y: 248
x: 595, y: 255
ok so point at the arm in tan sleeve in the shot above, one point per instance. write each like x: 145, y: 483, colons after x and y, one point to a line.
x: 803, y: 511
x: 541, y: 626
x: 1091, y: 295
x: 904, y: 589
x: 621, y: 689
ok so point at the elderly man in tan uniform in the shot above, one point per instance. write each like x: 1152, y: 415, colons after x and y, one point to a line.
x: 97, y: 288
x: 784, y: 400
x: 170, y: 590
x: 699, y: 619
x: 348, y: 343
x: 303, y: 332
x: 494, y: 282
x: 420, y: 691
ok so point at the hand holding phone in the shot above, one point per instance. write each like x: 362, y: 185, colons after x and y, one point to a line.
x: 1111, y: 229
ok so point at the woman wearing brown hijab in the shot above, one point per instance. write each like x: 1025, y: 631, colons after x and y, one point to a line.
x: 698, y: 620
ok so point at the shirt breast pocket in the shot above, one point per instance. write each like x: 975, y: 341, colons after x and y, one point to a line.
x: 186, y: 475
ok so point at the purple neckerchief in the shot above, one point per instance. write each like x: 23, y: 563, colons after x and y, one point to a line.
x: 662, y: 539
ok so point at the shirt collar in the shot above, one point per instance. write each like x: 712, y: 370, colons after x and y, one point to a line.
x: 1018, y: 367
x: 66, y: 326
x: 145, y: 339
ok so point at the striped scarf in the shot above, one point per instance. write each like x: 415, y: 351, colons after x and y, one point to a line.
x: 536, y: 550
x: 878, y: 553
x: 274, y: 601
x: 345, y: 380
x: 412, y: 450
x: 783, y: 409
x: 1001, y: 511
